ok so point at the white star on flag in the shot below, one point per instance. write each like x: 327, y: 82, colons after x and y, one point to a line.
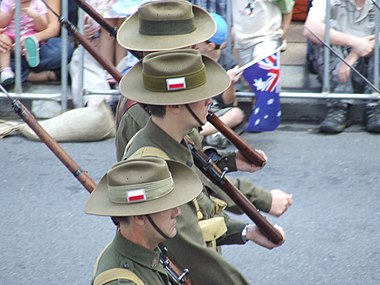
x: 260, y: 84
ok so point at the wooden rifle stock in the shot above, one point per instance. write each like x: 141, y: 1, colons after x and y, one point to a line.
x: 240, y: 200
x: 82, y: 176
x: 216, y: 175
x: 97, y: 17
x: 246, y: 150
x: 212, y: 171
x: 87, y: 45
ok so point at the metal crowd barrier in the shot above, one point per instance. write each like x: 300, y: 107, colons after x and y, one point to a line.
x: 321, y: 95
x: 325, y: 93
x: 88, y: 91
x: 63, y: 95
x: 18, y: 92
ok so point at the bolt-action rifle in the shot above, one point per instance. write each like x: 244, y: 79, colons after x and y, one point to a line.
x: 85, y: 179
x: 200, y: 158
x: 211, y: 169
x: 217, y: 176
x: 81, y: 175
x: 246, y: 150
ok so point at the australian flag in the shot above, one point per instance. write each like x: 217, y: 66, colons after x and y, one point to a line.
x: 264, y: 79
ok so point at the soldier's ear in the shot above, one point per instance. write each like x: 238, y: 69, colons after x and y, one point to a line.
x: 211, y: 46
x: 139, y: 220
x: 174, y: 108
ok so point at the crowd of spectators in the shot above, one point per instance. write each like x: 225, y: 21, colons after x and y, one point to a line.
x: 253, y: 26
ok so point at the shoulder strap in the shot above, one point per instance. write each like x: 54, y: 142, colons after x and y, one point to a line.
x: 98, y: 258
x: 122, y: 106
x: 149, y: 151
x: 115, y: 274
x: 130, y: 142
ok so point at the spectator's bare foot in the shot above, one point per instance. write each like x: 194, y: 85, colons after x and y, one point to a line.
x: 47, y: 75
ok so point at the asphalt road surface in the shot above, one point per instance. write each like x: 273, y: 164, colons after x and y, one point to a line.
x: 332, y: 229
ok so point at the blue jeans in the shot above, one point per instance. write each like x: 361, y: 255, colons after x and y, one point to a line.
x: 356, y: 84
x: 50, y: 58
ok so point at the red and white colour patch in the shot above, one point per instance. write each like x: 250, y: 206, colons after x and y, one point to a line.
x: 136, y: 196
x: 175, y: 83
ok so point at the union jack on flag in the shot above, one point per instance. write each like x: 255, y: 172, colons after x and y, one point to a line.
x: 264, y: 79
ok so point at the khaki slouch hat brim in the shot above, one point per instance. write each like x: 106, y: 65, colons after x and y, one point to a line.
x: 130, y: 37
x: 171, y: 65
x: 159, y: 185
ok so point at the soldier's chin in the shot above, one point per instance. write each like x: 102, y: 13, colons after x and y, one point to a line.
x: 173, y: 233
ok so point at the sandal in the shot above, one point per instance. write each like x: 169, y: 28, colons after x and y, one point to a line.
x: 32, y: 51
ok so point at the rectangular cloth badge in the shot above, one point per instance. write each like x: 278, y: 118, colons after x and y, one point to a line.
x: 136, y: 196
x: 175, y: 83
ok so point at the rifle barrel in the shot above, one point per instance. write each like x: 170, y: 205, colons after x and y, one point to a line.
x: 212, y: 171
x: 247, y: 151
x: 116, y: 74
x: 97, y: 17
x: 224, y: 184
x: 63, y: 156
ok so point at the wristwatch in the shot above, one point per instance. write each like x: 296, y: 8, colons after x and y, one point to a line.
x: 244, y: 234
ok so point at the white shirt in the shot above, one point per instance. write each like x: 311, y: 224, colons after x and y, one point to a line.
x: 346, y: 17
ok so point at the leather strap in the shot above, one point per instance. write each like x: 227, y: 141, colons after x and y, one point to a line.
x: 116, y: 274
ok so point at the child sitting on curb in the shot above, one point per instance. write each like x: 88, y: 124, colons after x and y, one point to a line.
x: 224, y: 105
x: 33, y: 19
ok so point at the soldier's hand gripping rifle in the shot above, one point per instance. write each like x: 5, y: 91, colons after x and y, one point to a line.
x: 208, y: 167
x: 249, y: 153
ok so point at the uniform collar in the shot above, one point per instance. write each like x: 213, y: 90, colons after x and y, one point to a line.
x: 138, y: 254
x: 176, y: 151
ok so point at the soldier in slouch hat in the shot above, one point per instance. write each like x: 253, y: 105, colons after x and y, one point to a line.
x: 177, y: 87
x: 188, y: 25
x: 143, y: 195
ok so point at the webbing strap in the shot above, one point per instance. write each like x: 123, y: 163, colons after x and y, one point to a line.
x: 122, y: 107
x: 149, y: 151
x: 98, y: 258
x: 116, y: 274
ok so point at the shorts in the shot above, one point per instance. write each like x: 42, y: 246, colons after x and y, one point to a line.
x: 219, y: 109
x: 12, y: 35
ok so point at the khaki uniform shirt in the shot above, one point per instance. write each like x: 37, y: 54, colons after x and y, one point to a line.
x: 122, y: 253
x: 135, y: 118
x: 188, y: 249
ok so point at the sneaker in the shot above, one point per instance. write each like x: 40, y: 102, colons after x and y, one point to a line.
x: 32, y: 51
x: 217, y: 140
x: 7, y: 76
x: 372, y: 118
x: 336, y: 120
